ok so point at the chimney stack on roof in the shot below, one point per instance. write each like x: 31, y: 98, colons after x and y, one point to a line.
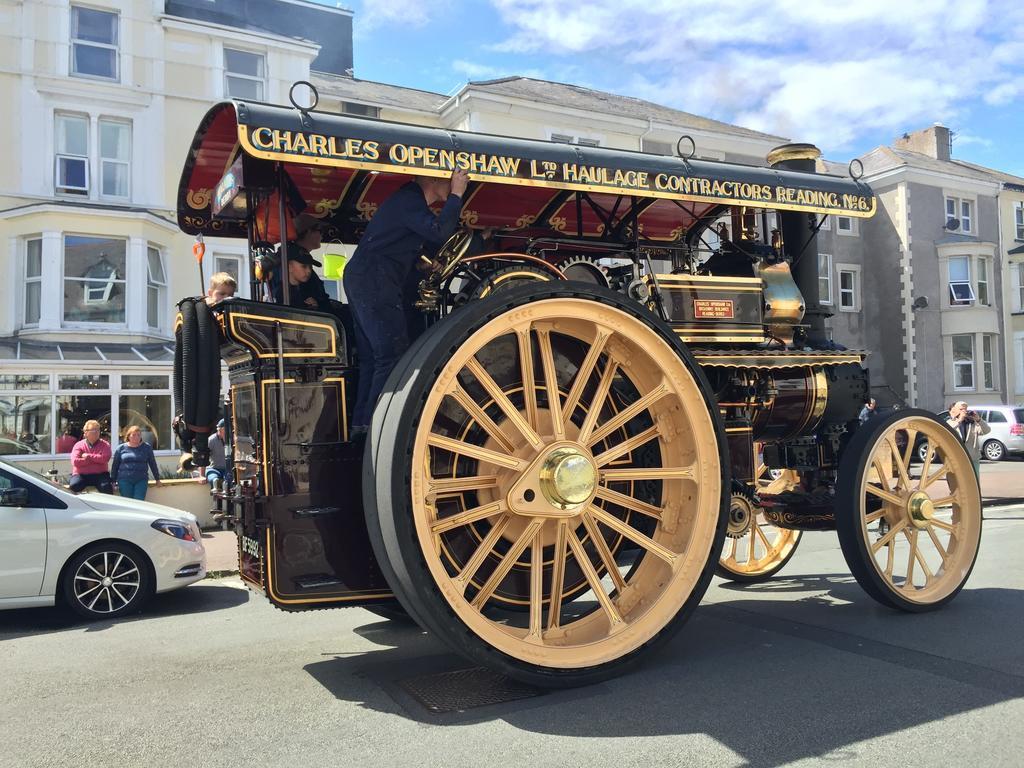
x: 934, y: 142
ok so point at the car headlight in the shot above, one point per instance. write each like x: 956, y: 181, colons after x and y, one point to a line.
x: 175, y: 529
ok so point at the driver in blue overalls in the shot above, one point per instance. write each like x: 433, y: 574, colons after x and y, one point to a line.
x: 375, y: 276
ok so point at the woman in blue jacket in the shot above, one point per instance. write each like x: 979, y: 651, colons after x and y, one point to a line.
x: 133, y: 459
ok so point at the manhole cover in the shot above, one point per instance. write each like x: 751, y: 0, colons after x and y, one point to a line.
x: 463, y: 689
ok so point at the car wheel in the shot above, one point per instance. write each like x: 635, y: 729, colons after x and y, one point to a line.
x: 994, y: 450
x: 922, y: 451
x: 107, y: 580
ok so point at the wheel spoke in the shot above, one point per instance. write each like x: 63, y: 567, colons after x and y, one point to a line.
x: 91, y: 589
x: 558, y: 575
x: 614, y: 617
x: 95, y: 599
x: 583, y: 374
x: 950, y: 527
x: 482, y: 550
x: 888, y: 496
x: 911, y: 439
x: 526, y: 372
x: 944, y: 501
x: 475, y: 452
x: 898, y: 459
x: 453, y: 485
x: 506, y: 563
x: 603, y: 552
x: 889, y: 536
x: 502, y: 401
x: 469, y: 516
x: 911, y: 559
x: 124, y: 600
x: 536, y: 588
x: 890, y: 559
x: 927, y: 464
x: 873, y: 516
x: 634, y: 535
x: 117, y: 563
x: 648, y: 473
x: 125, y: 584
x: 752, y: 545
x: 939, y: 474
x: 937, y: 544
x: 79, y: 577
x: 603, y: 387
x: 627, y: 445
x: 547, y: 359
x: 764, y: 539
x: 88, y: 565
x: 626, y: 414
x: 628, y: 502
x: 480, y: 416
x: 883, y: 481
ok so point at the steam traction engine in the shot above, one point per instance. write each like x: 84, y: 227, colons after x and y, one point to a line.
x: 622, y: 382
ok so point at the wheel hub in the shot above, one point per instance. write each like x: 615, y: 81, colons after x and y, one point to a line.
x: 921, y: 509
x: 740, y: 517
x: 558, y: 483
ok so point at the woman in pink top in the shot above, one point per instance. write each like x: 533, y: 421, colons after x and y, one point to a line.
x: 90, y: 461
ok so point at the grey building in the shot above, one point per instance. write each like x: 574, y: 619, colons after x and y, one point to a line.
x: 932, y: 276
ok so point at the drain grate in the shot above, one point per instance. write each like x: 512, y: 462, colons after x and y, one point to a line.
x: 463, y: 689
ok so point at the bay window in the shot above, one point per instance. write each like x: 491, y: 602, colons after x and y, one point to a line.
x: 33, y: 281
x: 94, y: 279
x: 963, y: 361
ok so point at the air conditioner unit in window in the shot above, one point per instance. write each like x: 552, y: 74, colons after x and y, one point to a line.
x: 71, y: 174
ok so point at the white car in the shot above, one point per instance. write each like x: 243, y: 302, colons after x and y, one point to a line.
x: 103, y: 556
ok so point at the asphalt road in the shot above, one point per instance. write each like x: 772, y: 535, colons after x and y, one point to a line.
x: 803, y: 670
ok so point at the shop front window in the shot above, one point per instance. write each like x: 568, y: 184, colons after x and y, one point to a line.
x: 74, y: 410
x: 152, y: 413
x: 25, y: 425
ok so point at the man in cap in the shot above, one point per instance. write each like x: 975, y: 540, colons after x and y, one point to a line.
x: 381, y: 264
x: 217, y: 470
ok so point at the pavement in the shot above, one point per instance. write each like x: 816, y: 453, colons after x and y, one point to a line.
x: 802, y: 670
x: 1002, y: 484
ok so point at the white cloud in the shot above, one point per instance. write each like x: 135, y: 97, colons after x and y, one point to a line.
x: 472, y: 70
x: 827, y: 73
x: 965, y: 139
x: 413, y: 13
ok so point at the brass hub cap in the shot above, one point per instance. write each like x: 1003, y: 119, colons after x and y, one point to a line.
x: 921, y: 509
x: 568, y: 478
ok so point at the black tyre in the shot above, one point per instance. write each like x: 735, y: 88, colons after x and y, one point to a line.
x: 993, y: 450
x: 107, y: 580
x: 570, y: 580
x: 920, y: 553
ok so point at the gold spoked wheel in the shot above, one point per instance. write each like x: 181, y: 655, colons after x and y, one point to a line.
x: 562, y: 482
x: 755, y: 549
x: 910, y: 537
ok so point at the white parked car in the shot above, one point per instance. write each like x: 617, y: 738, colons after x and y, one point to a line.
x: 103, y: 556
x: 1007, y: 435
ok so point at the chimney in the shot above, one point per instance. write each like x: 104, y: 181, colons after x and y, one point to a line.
x: 934, y: 142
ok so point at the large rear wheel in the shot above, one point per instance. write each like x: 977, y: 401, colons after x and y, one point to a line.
x: 548, y: 483
x: 910, y: 542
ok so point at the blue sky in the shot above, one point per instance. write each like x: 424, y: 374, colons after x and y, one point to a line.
x: 849, y: 77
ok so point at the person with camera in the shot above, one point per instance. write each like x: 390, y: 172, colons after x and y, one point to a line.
x: 970, y: 426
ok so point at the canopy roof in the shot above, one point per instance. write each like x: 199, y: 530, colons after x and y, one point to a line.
x: 340, y: 168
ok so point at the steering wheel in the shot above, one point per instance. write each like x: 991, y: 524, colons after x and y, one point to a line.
x: 453, y: 250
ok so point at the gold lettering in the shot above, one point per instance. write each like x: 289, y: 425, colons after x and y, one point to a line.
x: 262, y: 138
x: 282, y: 140
x: 371, y: 150
x: 318, y: 144
x: 300, y: 143
x: 446, y: 159
x: 399, y: 153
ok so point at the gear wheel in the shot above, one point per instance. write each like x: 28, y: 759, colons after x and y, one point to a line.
x: 585, y: 270
x: 742, y: 513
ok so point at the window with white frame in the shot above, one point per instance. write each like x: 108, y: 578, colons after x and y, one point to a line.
x: 33, y: 280
x: 961, y: 291
x: 1018, y: 220
x: 826, y: 224
x: 825, y: 278
x: 963, y: 361
x: 846, y: 225
x: 94, y: 279
x: 156, y: 288
x: 115, y: 158
x: 355, y: 108
x: 71, y: 161
x: 94, y: 46
x: 849, y: 288
x: 244, y: 74
x: 981, y: 264
x: 1018, y: 343
x: 1018, y: 286
x: 988, y: 366
x: 959, y: 211
x: 582, y: 141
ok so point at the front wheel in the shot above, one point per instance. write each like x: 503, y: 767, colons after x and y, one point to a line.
x: 548, y: 488
x: 106, y: 581
x: 910, y: 542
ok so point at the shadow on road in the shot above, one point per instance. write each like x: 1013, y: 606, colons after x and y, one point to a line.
x: 774, y: 681
x: 202, y: 597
